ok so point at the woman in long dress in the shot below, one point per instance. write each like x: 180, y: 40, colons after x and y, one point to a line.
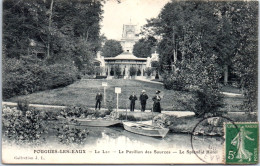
x: 156, y: 102
x: 239, y: 142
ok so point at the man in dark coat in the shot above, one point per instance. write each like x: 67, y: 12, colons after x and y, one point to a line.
x: 156, y: 102
x: 143, y: 98
x: 132, y: 99
x: 99, y: 98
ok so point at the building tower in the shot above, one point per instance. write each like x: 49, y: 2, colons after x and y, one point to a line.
x: 129, y: 37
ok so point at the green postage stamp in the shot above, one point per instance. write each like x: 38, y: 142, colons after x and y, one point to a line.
x: 241, y: 144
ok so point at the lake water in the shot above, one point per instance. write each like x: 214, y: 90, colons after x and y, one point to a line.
x: 116, y: 145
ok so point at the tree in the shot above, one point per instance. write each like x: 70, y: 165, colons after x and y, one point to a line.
x: 246, y: 57
x: 111, y: 48
x: 144, y: 47
x: 117, y: 71
x: 197, y: 35
x: 148, y: 71
x: 188, y: 35
x: 132, y: 71
x: 56, y: 28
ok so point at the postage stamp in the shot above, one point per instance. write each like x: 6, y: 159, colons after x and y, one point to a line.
x: 241, y: 144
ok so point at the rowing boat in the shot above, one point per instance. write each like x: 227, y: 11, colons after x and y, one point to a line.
x: 97, y: 122
x: 94, y: 122
x: 144, y: 129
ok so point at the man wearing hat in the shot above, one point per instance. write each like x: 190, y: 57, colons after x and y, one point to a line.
x: 143, y: 98
x: 99, y: 98
x: 156, y: 102
x: 132, y: 99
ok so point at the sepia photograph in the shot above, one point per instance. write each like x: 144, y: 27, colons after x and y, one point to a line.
x: 130, y: 82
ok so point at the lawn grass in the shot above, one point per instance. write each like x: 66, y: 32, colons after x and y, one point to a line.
x: 83, y: 92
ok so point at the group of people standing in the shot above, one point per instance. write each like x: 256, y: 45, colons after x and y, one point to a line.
x: 143, y: 98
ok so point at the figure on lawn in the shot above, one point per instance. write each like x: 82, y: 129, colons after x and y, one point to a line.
x: 156, y: 102
x: 99, y: 98
x: 143, y: 98
x: 132, y: 99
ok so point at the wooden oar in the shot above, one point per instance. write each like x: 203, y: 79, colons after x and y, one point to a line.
x: 126, y: 112
x: 141, y: 114
x: 152, y: 114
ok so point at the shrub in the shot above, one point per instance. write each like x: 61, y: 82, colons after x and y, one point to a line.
x: 112, y: 71
x: 174, y: 82
x: 23, y: 105
x: 164, y: 120
x: 59, y: 75
x: 81, y: 112
x: 148, y: 71
x: 23, y: 128
x: 139, y: 72
x: 202, y: 76
x: 117, y: 71
x: 21, y: 77
x: 75, y: 111
x: 110, y: 104
x: 132, y: 71
x: 207, y: 101
x: 67, y: 135
x: 157, y: 75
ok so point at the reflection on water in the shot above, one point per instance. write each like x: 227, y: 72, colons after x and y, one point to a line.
x: 117, y: 136
x: 176, y: 148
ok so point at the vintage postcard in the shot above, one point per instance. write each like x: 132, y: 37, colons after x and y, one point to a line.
x: 129, y: 82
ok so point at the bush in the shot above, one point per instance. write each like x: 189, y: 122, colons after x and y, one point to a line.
x: 82, y: 112
x: 139, y: 72
x: 132, y: 71
x: 59, y: 75
x: 207, y: 101
x: 174, y: 82
x: 23, y: 106
x: 148, y: 71
x: 157, y: 75
x: 68, y: 135
x: 112, y: 71
x: 21, y: 77
x: 23, y: 128
x: 110, y: 105
x: 201, y: 77
x: 117, y: 71
x: 75, y: 111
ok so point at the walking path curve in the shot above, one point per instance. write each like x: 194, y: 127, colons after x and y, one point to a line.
x: 176, y: 113
x: 224, y: 93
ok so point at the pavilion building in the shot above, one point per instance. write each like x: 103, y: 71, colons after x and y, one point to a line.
x: 126, y: 60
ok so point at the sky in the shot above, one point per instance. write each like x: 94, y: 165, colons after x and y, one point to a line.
x: 116, y: 14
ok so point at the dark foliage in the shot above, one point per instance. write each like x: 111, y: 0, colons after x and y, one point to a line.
x: 196, y: 35
x: 144, y: 47
x: 28, y: 127
x: 117, y: 71
x: 132, y: 71
x: 68, y: 134
x: 111, y: 48
x: 23, y: 106
x: 21, y: 77
x: 46, y: 43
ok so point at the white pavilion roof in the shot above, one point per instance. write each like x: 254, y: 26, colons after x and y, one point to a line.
x: 125, y: 56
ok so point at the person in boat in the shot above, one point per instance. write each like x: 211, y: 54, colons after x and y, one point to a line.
x: 156, y: 102
x: 99, y: 98
x: 143, y: 98
x: 132, y: 99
